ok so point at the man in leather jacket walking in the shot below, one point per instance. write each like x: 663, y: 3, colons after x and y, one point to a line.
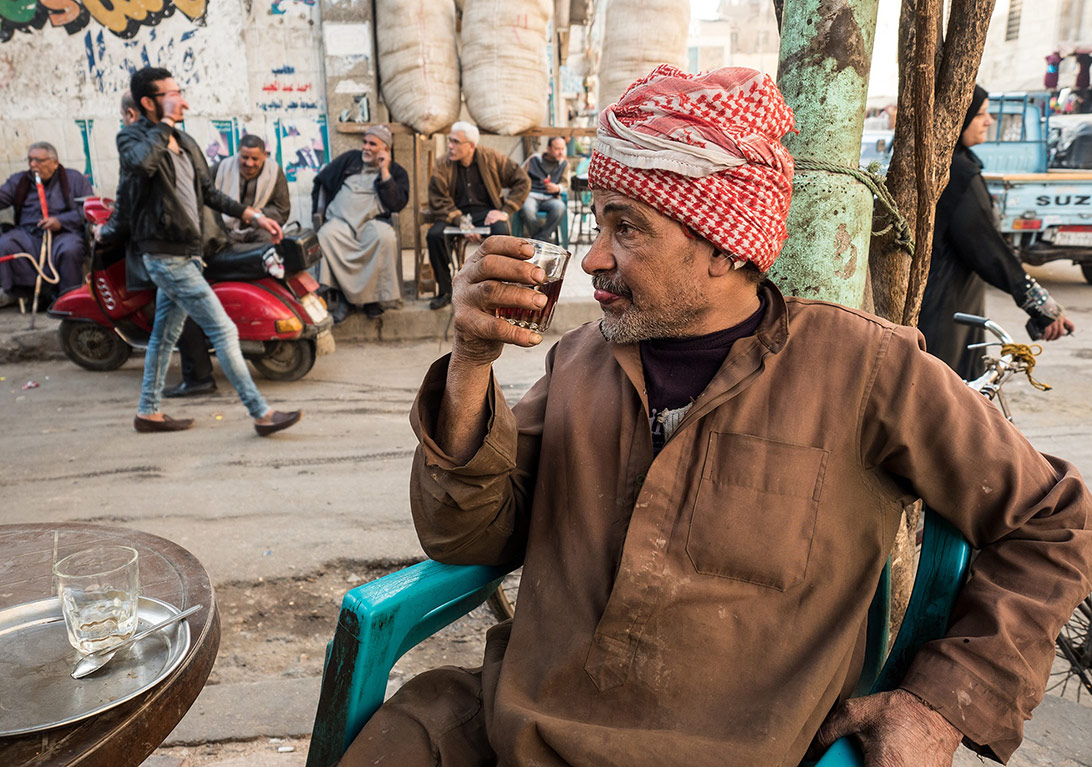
x: 171, y: 185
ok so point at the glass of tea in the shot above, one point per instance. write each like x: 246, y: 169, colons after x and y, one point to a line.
x: 99, y: 589
x: 552, y: 259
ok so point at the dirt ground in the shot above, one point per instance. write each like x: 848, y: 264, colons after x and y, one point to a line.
x: 272, y: 628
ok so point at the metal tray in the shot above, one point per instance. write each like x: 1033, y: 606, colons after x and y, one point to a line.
x: 37, y: 691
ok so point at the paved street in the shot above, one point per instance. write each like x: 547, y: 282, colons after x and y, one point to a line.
x: 327, y: 498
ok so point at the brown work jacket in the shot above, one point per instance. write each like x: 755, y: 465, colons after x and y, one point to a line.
x: 498, y: 171
x: 707, y: 607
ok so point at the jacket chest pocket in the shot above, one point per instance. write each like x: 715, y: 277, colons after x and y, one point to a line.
x: 754, y: 512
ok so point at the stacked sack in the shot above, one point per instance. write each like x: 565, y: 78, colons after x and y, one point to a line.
x: 638, y: 35
x: 418, y: 65
x: 505, y: 74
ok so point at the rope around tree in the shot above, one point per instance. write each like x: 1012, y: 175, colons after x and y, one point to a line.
x: 875, y: 182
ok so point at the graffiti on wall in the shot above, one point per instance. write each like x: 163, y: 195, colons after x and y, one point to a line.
x: 278, y: 7
x: 85, y: 127
x: 123, y: 18
x: 107, y: 70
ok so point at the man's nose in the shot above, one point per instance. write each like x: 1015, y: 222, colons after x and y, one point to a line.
x: 598, y: 258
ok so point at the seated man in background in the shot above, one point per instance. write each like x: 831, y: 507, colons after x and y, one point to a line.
x: 704, y: 486
x: 359, y: 245
x: 254, y: 180
x: 63, y: 217
x: 549, y: 173
x: 470, y: 181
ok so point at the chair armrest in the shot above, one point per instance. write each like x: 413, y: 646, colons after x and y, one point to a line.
x: 942, y: 570
x: 379, y: 622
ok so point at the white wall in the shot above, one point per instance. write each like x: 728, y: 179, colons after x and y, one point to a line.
x: 1019, y: 65
x: 247, y: 66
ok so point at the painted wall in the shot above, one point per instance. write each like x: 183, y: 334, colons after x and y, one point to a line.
x: 246, y: 66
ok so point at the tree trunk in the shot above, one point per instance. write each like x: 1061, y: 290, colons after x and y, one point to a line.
x: 897, y: 283
x: 936, y: 82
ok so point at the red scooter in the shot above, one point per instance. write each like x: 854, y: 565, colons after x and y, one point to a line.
x: 283, y: 324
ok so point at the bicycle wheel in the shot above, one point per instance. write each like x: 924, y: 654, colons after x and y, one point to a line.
x: 503, y: 601
x: 1074, y: 647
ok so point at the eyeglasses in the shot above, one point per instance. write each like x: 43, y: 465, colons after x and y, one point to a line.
x: 38, y: 160
x: 166, y: 93
x: 455, y: 142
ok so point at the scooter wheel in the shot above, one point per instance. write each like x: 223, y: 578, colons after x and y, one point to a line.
x: 286, y: 360
x: 92, y: 346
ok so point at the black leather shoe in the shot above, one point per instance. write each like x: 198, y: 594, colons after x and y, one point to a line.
x: 440, y: 301
x: 277, y: 422
x: 148, y: 426
x: 191, y: 389
x: 373, y: 310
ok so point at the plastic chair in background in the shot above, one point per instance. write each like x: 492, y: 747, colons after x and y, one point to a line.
x: 381, y: 620
x: 516, y: 224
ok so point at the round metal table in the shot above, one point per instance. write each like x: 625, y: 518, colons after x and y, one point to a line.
x: 128, y: 733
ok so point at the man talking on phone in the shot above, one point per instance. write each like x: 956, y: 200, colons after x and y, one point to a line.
x: 171, y: 185
x: 360, y: 190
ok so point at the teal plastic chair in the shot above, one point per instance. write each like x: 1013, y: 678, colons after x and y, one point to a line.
x: 383, y: 619
x: 942, y: 570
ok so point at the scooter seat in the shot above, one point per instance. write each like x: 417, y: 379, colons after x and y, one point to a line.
x: 239, y: 263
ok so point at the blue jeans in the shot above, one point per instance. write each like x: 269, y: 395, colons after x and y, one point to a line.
x: 553, y: 207
x: 183, y: 290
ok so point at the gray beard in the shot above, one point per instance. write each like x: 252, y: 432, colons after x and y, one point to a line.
x: 633, y: 327
x: 638, y: 323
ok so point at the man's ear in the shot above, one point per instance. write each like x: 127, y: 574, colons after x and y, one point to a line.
x: 147, y: 105
x: 720, y: 263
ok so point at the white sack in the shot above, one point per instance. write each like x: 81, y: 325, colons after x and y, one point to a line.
x: 639, y: 35
x: 506, y: 81
x: 418, y: 66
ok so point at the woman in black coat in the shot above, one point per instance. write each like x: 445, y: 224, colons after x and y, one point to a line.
x: 967, y: 249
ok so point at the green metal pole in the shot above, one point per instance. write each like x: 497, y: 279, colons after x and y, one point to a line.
x: 826, y: 54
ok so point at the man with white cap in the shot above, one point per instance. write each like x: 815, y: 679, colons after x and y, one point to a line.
x: 705, y: 485
x: 359, y: 246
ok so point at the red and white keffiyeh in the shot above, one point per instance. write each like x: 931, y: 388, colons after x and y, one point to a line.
x: 706, y: 151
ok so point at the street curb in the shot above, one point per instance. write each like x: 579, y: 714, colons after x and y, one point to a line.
x: 416, y: 322
x: 413, y: 322
x: 272, y: 708
x: 22, y: 345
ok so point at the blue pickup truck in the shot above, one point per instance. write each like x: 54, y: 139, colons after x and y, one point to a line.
x: 1039, y: 172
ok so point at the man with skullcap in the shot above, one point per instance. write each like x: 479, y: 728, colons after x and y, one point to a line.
x: 704, y: 487
x: 358, y: 193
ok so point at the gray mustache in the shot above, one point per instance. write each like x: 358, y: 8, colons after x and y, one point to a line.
x: 611, y: 284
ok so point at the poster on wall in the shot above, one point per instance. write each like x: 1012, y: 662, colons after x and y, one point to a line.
x: 85, y: 127
x: 225, y: 140
x: 302, y: 144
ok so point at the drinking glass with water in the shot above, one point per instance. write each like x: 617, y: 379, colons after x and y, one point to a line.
x: 99, y: 589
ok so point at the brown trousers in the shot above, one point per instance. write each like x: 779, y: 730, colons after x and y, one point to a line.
x: 437, y: 718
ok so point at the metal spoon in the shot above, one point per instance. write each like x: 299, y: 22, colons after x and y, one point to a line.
x: 94, y: 661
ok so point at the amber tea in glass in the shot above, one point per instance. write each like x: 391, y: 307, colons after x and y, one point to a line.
x: 552, y: 259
